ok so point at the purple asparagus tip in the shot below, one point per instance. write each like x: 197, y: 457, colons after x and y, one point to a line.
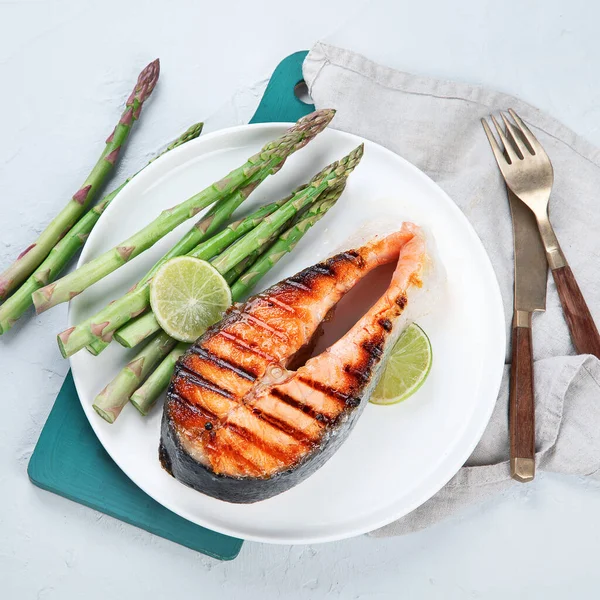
x: 145, y: 83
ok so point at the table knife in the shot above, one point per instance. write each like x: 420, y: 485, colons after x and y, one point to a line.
x: 531, y: 275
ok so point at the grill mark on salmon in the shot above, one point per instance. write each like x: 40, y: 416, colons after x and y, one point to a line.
x: 224, y: 364
x: 270, y: 449
x: 240, y: 448
x: 309, y: 410
x: 281, y: 305
x: 299, y: 285
x: 244, y: 464
x: 202, y: 382
x: 325, y: 389
x: 252, y: 428
x: 285, y: 426
x: 280, y: 334
x: 324, y: 270
x: 245, y: 346
x: 357, y: 373
x: 328, y: 406
x: 199, y: 411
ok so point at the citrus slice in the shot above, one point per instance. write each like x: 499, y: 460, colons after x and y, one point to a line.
x: 407, y: 367
x: 187, y: 296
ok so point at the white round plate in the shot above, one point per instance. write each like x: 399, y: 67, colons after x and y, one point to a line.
x: 398, y: 456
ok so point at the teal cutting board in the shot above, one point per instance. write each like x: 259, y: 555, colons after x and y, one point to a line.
x: 70, y: 461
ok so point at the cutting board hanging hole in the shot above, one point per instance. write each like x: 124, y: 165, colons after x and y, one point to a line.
x: 301, y: 92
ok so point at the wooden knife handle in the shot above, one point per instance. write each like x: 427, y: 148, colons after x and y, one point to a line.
x: 577, y: 314
x: 521, y: 406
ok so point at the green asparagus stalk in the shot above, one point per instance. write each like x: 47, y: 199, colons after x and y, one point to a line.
x: 97, y: 346
x: 232, y: 275
x: 103, y: 325
x: 58, y: 258
x: 330, y: 177
x: 145, y: 396
x: 34, y: 254
x: 286, y: 242
x: 111, y: 400
x: 137, y: 330
x: 273, y: 153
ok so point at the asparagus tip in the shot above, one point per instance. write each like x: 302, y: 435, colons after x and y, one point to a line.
x: 316, y: 120
x: 146, y: 82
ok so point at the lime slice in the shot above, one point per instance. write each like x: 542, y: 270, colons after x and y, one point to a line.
x: 406, y: 369
x: 187, y: 296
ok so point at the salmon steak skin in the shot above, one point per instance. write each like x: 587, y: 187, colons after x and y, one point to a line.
x: 241, y: 426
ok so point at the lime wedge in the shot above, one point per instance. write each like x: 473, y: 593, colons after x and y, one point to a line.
x: 187, y: 296
x: 407, y: 367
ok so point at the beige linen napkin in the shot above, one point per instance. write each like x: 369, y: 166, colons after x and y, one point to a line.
x: 436, y: 126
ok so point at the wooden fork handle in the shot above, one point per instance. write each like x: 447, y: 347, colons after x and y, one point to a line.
x: 521, y: 405
x: 577, y: 314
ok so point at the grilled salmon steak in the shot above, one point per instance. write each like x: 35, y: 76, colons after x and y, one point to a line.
x: 238, y: 424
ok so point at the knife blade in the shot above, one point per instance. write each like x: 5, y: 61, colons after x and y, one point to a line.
x: 530, y: 279
x: 531, y: 266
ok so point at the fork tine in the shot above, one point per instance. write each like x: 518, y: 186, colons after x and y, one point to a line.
x: 531, y: 140
x: 508, y: 148
x: 498, y: 154
x: 514, y: 136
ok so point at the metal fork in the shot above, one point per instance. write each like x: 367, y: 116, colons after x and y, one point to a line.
x: 528, y: 173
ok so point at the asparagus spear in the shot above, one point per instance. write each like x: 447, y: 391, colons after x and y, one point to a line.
x: 146, y: 395
x: 34, y: 254
x: 232, y: 275
x: 111, y: 400
x: 103, y: 325
x: 97, y: 346
x: 61, y: 254
x: 329, y: 177
x: 137, y: 330
x: 273, y: 153
x: 286, y: 242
